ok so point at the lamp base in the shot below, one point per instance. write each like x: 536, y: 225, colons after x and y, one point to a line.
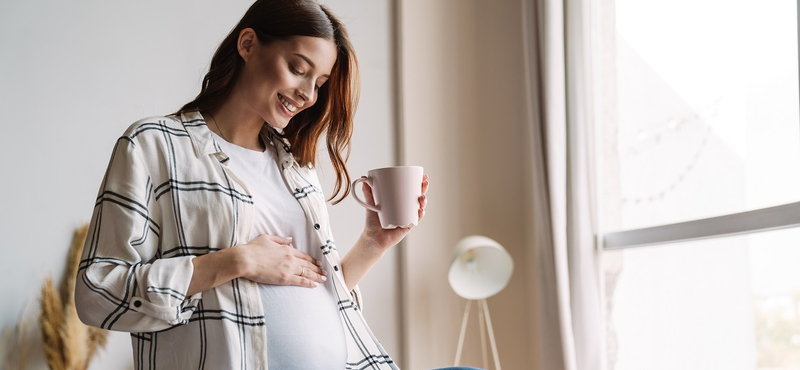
x: 484, y: 320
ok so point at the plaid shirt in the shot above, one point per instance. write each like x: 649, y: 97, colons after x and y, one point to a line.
x: 166, y: 198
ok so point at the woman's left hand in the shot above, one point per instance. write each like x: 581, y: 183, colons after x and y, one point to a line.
x: 384, y: 239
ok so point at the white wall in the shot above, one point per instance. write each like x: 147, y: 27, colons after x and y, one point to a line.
x: 74, y: 75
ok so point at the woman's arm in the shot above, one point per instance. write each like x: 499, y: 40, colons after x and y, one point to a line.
x: 215, y: 269
x: 375, y: 240
x: 267, y: 259
x: 123, y: 281
x: 359, y: 260
x: 120, y: 285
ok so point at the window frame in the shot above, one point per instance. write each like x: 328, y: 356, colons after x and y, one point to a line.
x: 759, y: 220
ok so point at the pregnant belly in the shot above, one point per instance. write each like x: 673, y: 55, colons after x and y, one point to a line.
x: 304, y: 330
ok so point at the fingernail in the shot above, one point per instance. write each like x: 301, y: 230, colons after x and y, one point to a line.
x: 319, y: 263
x: 324, y: 278
x: 324, y: 272
x: 315, y: 284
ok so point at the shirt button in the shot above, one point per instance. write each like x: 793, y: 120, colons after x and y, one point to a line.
x: 137, y: 304
x: 336, y: 268
x: 316, y: 226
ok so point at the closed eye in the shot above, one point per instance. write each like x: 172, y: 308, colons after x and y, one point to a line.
x: 294, y: 70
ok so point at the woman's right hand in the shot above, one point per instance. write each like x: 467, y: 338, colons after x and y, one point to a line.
x: 270, y: 259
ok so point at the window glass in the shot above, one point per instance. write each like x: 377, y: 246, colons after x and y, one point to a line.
x: 701, y: 108
x: 727, y: 303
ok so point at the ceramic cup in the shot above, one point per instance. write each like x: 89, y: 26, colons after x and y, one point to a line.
x: 396, y: 192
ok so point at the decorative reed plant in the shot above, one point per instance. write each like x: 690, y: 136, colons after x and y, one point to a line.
x: 16, y: 343
x: 68, y: 343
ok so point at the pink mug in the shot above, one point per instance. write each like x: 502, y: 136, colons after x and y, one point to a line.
x: 396, y: 191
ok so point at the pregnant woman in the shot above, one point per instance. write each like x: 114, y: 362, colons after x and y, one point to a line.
x: 210, y: 241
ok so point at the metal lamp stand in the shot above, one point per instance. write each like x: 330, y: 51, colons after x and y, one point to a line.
x: 484, y: 320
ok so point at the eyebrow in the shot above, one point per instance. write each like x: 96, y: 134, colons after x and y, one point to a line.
x: 308, y: 60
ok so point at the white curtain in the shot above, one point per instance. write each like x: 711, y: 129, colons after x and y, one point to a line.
x: 562, y: 113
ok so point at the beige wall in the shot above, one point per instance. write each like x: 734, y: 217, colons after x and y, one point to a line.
x: 462, y: 83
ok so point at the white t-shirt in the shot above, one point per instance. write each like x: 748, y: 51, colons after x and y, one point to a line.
x: 304, y: 329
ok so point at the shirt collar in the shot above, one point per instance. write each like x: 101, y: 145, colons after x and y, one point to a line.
x: 204, y: 144
x: 282, y: 146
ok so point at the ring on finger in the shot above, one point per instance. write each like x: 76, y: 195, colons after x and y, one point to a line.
x: 303, y: 272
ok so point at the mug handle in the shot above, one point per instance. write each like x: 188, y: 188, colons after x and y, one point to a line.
x: 355, y: 193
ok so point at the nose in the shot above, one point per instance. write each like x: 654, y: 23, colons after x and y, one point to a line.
x: 307, y: 92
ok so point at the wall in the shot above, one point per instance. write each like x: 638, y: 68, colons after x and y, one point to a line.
x: 463, y: 120
x: 74, y: 75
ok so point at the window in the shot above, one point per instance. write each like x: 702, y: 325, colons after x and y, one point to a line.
x: 701, y: 129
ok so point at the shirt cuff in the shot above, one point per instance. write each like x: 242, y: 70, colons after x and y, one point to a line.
x: 164, y: 296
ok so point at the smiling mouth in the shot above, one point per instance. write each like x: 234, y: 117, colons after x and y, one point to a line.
x: 286, y: 104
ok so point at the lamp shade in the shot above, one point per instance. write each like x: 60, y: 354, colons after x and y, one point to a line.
x: 480, y: 268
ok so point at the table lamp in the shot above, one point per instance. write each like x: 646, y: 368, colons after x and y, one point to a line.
x: 480, y: 268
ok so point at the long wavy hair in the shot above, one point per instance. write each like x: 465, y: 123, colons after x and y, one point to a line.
x: 333, y: 112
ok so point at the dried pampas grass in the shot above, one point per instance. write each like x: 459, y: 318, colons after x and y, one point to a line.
x: 51, y: 322
x: 16, y: 343
x: 73, y: 260
x: 97, y: 340
x: 75, y: 336
x: 68, y: 343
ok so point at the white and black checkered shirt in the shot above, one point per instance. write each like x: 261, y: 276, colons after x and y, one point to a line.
x: 166, y: 198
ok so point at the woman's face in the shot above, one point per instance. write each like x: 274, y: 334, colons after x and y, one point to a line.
x: 281, y: 78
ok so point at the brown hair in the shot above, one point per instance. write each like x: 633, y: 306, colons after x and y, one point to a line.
x: 337, y: 98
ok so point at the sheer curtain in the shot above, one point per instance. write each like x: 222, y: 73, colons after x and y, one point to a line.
x: 562, y: 111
